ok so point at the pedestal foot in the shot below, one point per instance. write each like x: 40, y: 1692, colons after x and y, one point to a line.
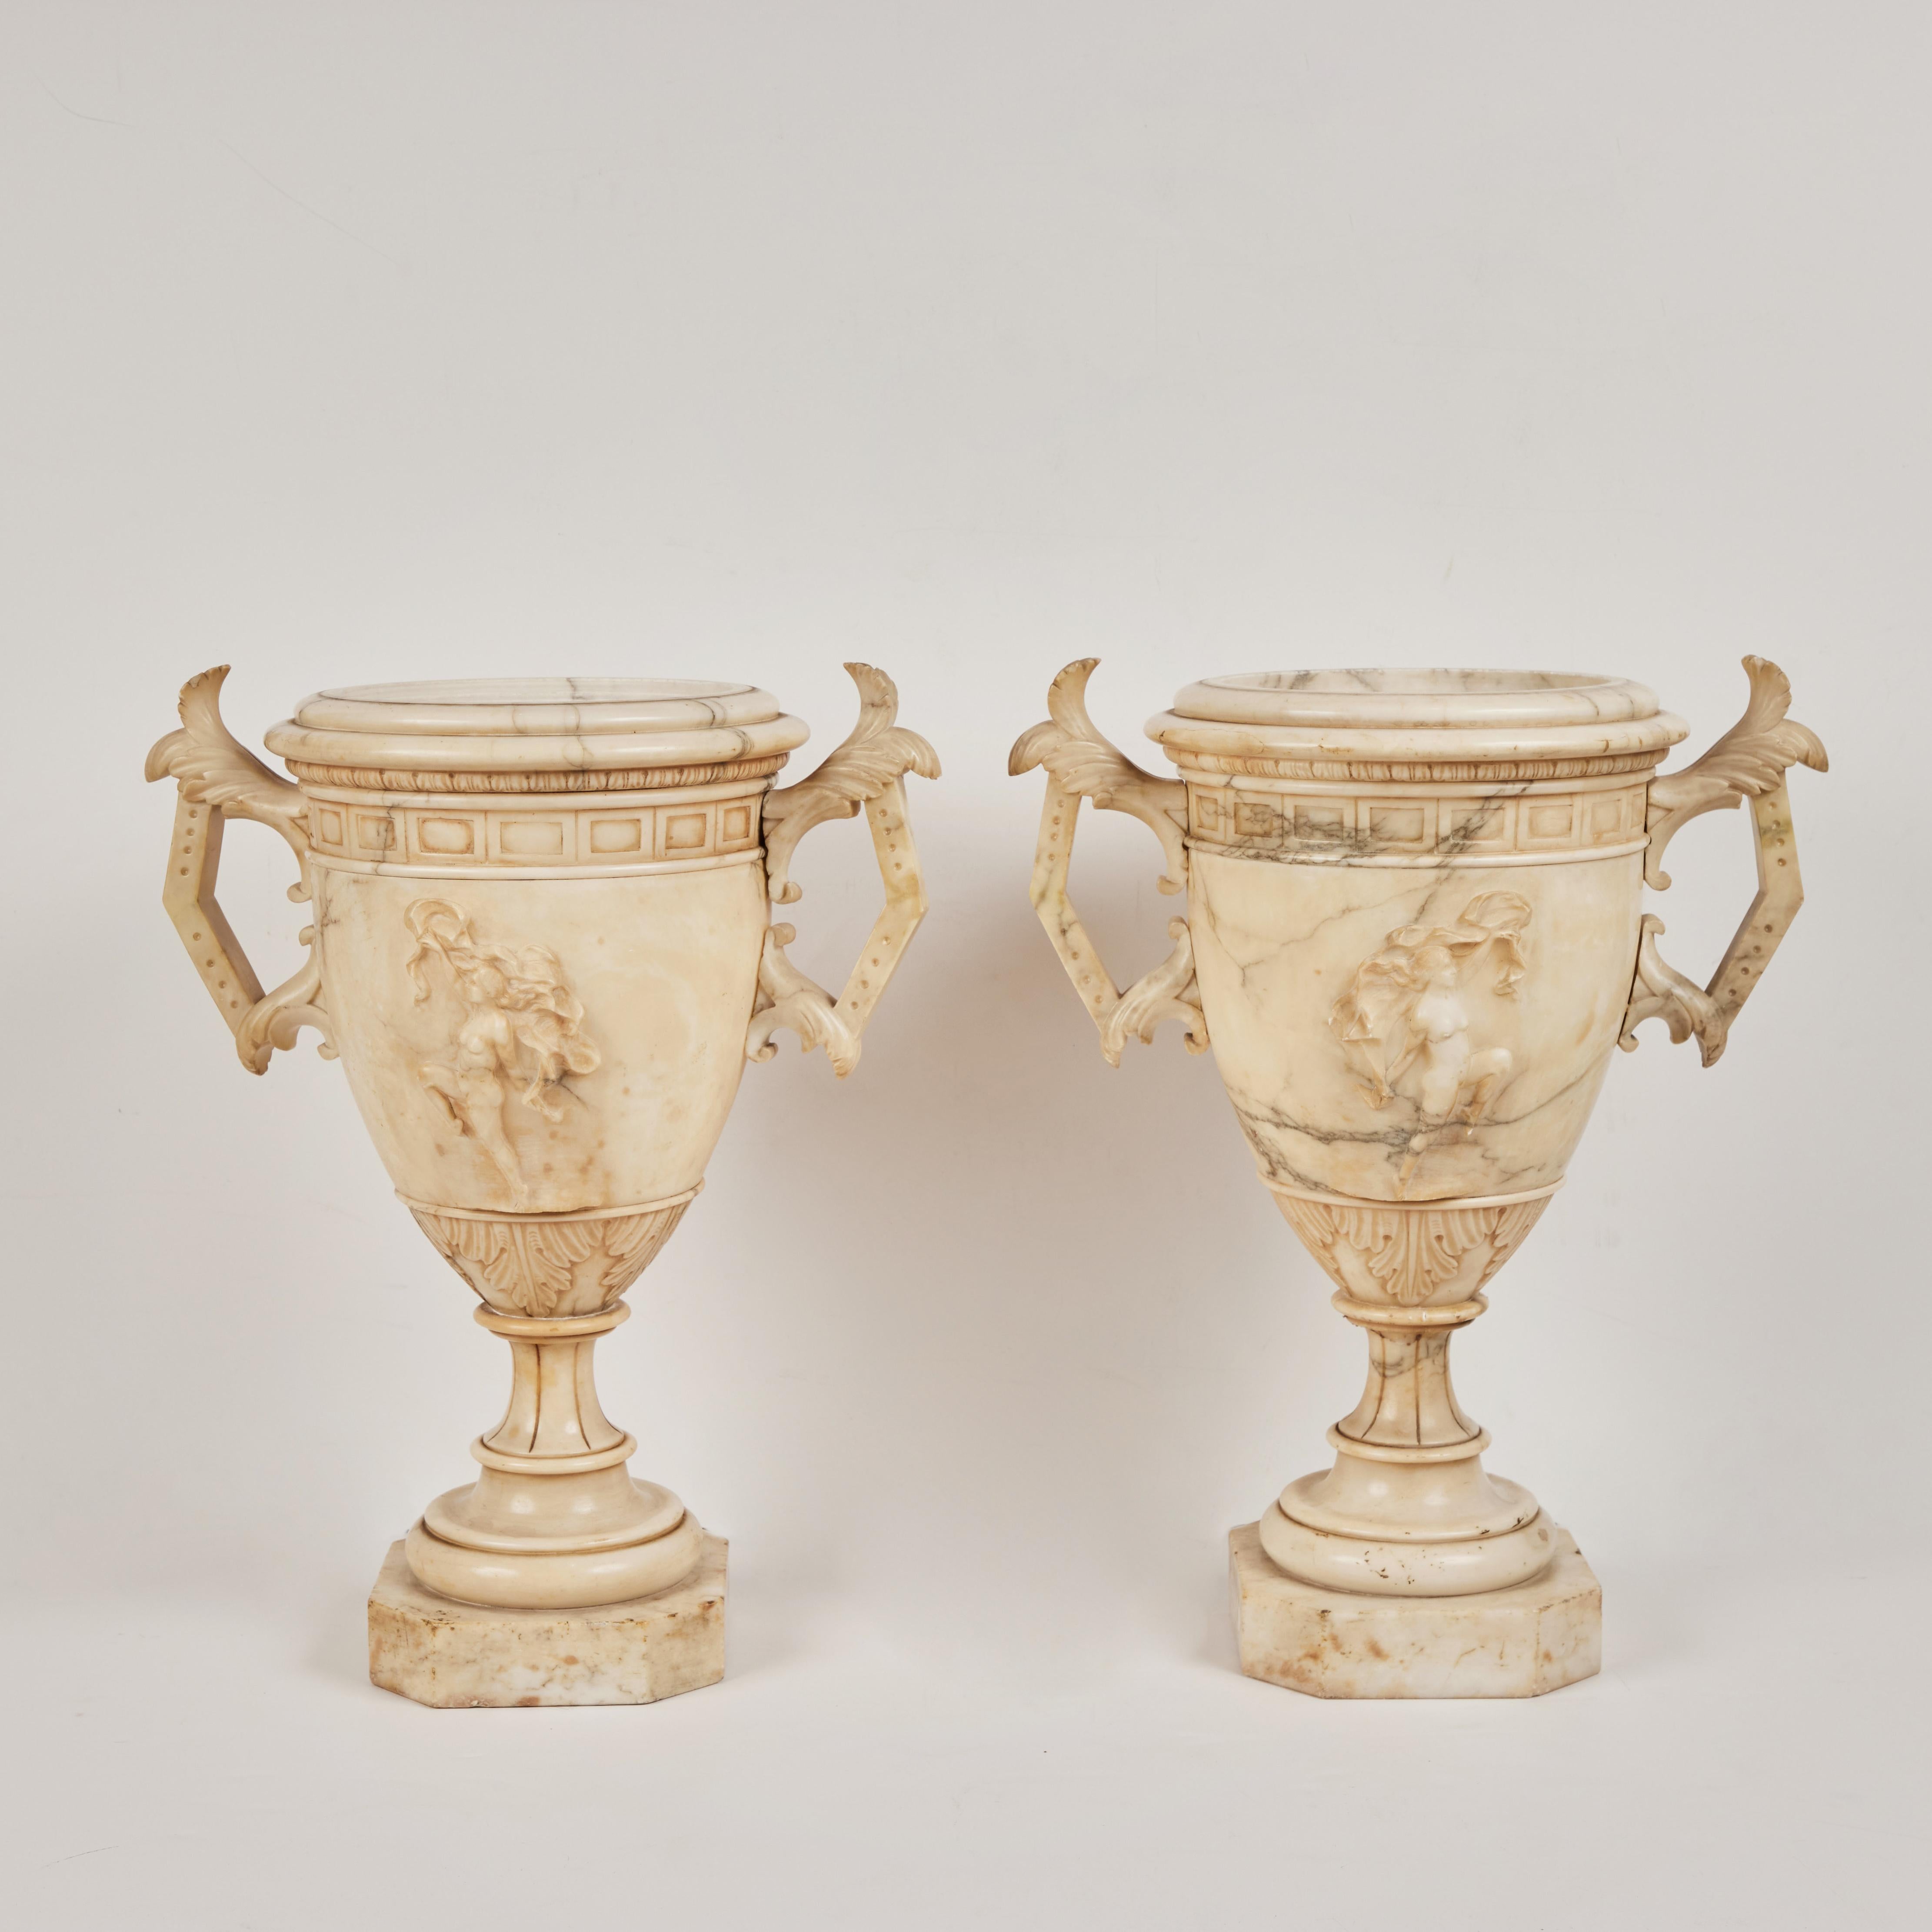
x: 455, y: 1656
x: 1519, y: 1642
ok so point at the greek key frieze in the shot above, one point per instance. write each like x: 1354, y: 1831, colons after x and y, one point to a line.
x: 589, y: 830
x: 1339, y: 825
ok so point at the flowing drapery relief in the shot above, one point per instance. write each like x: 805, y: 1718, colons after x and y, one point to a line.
x: 515, y: 1030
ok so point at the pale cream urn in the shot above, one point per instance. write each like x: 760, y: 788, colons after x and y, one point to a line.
x: 1414, y: 935
x: 543, y: 949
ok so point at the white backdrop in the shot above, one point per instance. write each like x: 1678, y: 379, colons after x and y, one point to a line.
x: 350, y: 342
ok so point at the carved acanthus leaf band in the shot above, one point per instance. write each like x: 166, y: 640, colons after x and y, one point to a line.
x: 1408, y: 1253
x: 1080, y: 763
x: 551, y: 1265
x: 866, y: 772
x: 1749, y: 762
x: 636, y: 778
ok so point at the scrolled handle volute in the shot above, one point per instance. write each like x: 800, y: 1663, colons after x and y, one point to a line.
x: 219, y: 779
x: 1080, y: 763
x: 868, y: 771
x: 1749, y: 762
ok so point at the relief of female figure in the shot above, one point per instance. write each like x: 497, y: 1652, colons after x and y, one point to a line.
x: 518, y: 1028
x: 1403, y: 1024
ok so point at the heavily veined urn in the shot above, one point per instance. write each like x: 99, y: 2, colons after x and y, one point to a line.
x: 543, y: 949
x: 1414, y: 935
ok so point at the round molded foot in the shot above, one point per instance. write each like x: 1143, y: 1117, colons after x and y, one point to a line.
x: 1463, y: 1568
x: 546, y: 1580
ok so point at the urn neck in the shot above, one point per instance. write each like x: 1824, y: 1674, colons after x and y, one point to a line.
x: 1409, y: 1402
x: 554, y: 1424
x: 1407, y: 1508
x: 554, y: 1519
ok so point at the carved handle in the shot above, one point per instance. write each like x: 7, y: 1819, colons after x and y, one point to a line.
x: 1749, y: 761
x: 220, y: 780
x: 867, y: 769
x: 1080, y: 763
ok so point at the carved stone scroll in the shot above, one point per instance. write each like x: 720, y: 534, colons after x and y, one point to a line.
x: 867, y: 770
x: 1080, y: 763
x: 219, y: 779
x: 1748, y: 762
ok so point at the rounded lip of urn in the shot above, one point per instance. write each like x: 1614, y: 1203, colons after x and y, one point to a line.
x: 1416, y: 715
x: 526, y: 724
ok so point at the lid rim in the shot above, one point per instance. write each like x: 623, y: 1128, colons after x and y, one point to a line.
x: 536, y: 725
x: 535, y: 707
x: 1439, y: 699
x: 485, y: 751
x: 1476, y: 743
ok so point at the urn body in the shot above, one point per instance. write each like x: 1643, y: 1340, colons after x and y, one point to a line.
x: 1415, y: 933
x: 543, y: 949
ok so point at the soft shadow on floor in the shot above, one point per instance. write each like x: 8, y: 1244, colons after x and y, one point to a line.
x: 1661, y: 1613
x: 338, y: 1639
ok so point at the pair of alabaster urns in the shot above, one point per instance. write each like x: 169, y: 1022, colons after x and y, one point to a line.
x: 543, y: 949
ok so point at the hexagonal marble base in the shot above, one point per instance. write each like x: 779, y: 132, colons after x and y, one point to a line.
x: 1517, y: 1643
x: 456, y: 1656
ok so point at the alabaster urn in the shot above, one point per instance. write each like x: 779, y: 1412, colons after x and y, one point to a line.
x: 1414, y: 935
x: 543, y: 950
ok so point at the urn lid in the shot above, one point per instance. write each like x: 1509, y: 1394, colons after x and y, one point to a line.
x: 1412, y: 717
x: 537, y: 725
